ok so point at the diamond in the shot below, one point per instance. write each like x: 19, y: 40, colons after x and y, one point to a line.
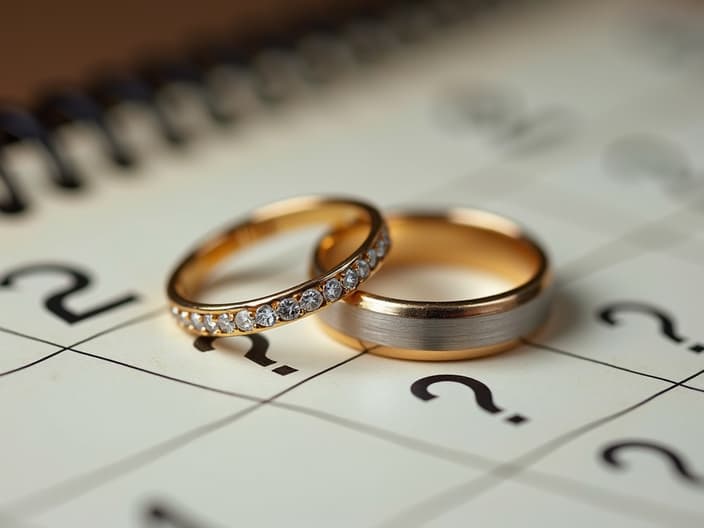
x: 381, y: 246
x: 244, y: 321
x: 288, y: 309
x: 372, y: 258
x: 332, y: 290
x: 175, y: 311
x: 210, y: 323
x: 225, y: 323
x: 350, y: 279
x: 265, y: 316
x: 197, y: 321
x: 311, y: 300
x: 184, y: 318
x: 363, y: 269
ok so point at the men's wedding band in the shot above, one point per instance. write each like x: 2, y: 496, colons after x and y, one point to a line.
x: 445, y: 330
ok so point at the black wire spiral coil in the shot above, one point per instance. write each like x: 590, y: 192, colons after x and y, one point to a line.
x: 315, y: 50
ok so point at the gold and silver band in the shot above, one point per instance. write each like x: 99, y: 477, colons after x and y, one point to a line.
x: 444, y: 330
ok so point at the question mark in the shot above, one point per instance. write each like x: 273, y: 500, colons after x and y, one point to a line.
x: 501, y: 114
x: 652, y: 157
x: 609, y: 455
x: 482, y: 393
x: 256, y: 353
x: 667, y: 325
x: 163, y: 514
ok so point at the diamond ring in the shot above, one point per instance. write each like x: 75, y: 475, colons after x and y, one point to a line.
x: 364, y: 258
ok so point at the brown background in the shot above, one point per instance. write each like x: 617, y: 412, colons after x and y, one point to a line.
x: 48, y: 43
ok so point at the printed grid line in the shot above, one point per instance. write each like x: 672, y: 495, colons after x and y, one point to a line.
x: 610, y: 248
x: 54, y: 495
x: 27, y: 336
x: 556, y: 350
x: 62, y: 349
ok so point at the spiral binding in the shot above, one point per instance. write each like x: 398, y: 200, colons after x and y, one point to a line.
x: 318, y: 52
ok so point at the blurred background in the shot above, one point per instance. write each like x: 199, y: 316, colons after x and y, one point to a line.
x: 66, y: 42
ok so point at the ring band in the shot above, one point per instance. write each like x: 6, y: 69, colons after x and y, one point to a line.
x: 449, y: 329
x: 256, y: 315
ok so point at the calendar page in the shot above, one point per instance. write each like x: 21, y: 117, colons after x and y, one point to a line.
x: 582, y: 121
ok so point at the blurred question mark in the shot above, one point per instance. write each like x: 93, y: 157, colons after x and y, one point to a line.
x: 164, y: 514
x: 608, y: 315
x: 500, y: 114
x: 652, y: 157
x: 610, y: 455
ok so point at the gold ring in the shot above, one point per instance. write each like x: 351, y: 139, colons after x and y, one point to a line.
x: 449, y: 329
x: 256, y: 315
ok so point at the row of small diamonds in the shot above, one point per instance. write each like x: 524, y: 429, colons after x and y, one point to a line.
x: 289, y: 308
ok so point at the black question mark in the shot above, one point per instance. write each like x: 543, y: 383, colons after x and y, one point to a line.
x: 482, y: 393
x: 54, y: 302
x: 667, y: 325
x: 256, y: 353
x: 159, y: 514
x: 609, y: 455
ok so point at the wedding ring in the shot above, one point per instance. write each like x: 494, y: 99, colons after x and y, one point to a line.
x: 250, y: 316
x: 448, y: 329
